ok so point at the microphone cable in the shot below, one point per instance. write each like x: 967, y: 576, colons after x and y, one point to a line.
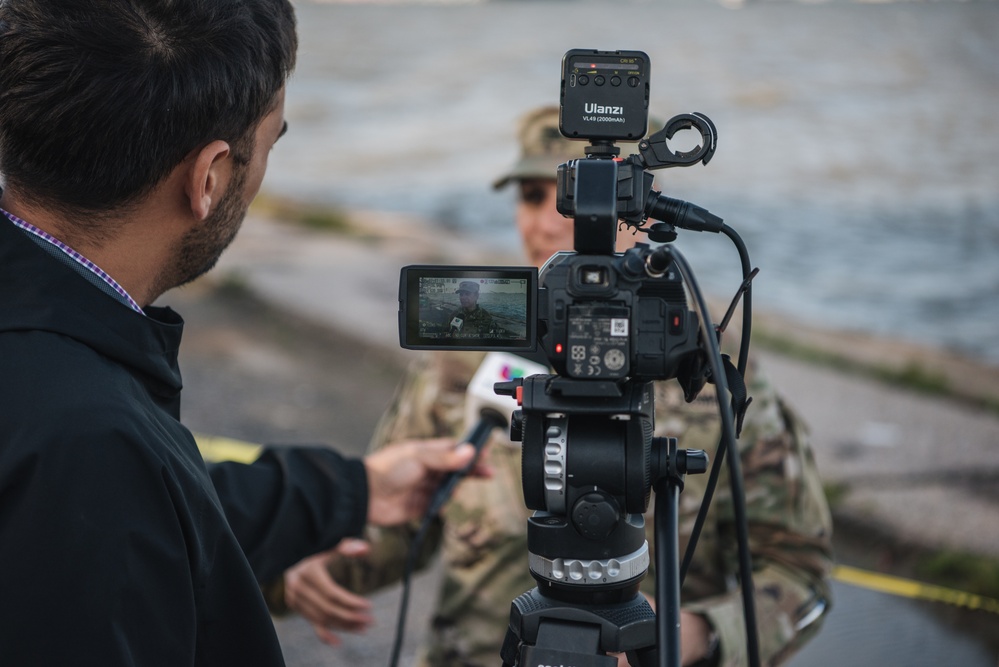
x: 477, y: 437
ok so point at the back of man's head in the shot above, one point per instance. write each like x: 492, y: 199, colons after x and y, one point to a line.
x: 101, y: 100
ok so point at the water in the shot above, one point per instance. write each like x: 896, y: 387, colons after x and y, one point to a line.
x: 857, y: 143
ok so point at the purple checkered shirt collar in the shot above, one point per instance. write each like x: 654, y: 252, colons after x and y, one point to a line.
x: 76, y: 257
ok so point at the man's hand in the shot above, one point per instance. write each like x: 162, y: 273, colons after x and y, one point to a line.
x: 695, y: 637
x: 402, y: 477
x: 326, y: 605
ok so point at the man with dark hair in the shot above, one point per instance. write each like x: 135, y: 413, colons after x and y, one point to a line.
x: 133, y: 136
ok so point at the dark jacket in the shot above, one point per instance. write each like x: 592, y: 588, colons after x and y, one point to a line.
x: 117, y: 545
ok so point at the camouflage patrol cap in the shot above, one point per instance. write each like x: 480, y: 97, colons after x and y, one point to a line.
x: 467, y: 286
x: 543, y: 148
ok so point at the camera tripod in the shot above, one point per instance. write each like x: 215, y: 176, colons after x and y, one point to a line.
x: 588, y: 605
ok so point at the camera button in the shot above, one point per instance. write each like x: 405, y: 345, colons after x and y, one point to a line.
x: 599, y: 80
x: 583, y: 79
x: 615, y: 81
x: 676, y: 322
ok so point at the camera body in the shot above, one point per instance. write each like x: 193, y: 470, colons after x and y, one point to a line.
x: 598, y: 314
x: 603, y: 317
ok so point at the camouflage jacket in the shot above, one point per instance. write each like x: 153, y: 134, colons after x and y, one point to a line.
x: 484, y: 541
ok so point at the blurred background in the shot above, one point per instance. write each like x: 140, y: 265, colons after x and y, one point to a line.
x: 857, y: 143
x: 857, y: 155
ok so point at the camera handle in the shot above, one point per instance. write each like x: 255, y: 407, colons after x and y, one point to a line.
x: 547, y: 631
x: 656, y: 154
x: 604, y: 188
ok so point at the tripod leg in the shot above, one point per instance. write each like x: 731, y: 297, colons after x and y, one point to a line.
x: 668, y: 559
x: 509, y: 650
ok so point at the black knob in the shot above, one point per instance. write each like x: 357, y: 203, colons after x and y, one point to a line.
x: 692, y: 461
x: 595, y: 515
x: 517, y: 426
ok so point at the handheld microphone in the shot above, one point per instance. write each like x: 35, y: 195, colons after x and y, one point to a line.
x: 477, y: 437
x: 485, y: 410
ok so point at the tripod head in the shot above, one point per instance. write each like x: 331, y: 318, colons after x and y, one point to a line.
x: 588, y: 551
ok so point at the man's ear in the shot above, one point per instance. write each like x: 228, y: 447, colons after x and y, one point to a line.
x: 207, y: 178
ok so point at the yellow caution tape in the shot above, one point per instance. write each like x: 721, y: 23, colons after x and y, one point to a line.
x: 216, y: 449
x: 885, y: 583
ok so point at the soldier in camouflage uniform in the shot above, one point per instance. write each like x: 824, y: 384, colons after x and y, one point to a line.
x: 474, y: 319
x: 483, y: 537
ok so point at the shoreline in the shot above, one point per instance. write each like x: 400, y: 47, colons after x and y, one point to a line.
x: 404, y: 239
x: 895, y: 362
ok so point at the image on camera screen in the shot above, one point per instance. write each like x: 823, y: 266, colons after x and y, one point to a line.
x: 467, y: 307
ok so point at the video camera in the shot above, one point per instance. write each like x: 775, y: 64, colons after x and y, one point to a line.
x: 610, y: 324
x: 598, y: 315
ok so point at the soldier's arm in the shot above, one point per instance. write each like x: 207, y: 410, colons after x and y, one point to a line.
x: 326, y: 589
x: 790, y: 532
x: 428, y: 403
